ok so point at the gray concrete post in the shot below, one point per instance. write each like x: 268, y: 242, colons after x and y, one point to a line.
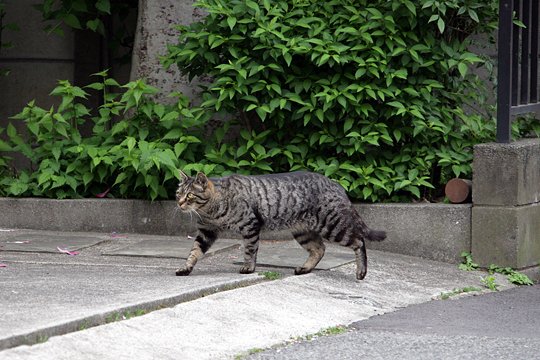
x: 155, y: 29
x: 506, y: 208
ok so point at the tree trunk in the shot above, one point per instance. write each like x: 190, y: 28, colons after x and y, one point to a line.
x: 155, y: 29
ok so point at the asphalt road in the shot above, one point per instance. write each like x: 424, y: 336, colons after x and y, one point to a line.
x: 499, y: 325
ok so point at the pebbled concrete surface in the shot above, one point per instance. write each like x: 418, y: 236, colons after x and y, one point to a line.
x: 35, y: 242
x: 501, y: 325
x: 171, y: 247
x: 218, y: 326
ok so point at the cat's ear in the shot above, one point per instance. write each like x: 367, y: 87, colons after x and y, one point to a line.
x: 183, y: 175
x: 201, y: 179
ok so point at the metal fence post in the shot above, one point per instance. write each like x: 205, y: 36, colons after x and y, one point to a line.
x: 504, y: 71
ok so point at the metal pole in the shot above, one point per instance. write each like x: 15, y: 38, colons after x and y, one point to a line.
x: 504, y: 74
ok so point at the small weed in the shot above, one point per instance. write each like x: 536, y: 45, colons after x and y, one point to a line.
x: 117, y: 316
x: 271, y: 275
x: 42, y: 339
x: 514, y: 276
x: 248, y: 353
x: 489, y: 282
x: 113, y: 318
x: 132, y: 314
x: 332, y: 330
x: 467, y: 289
x: 85, y: 325
x: 468, y: 264
x: 519, y: 279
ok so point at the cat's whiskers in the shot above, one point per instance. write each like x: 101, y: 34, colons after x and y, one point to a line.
x: 196, y: 213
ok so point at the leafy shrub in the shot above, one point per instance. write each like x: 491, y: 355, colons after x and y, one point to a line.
x: 375, y: 94
x: 136, y: 157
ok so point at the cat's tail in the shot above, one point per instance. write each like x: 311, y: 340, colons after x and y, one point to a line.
x: 376, y: 235
x: 371, y: 235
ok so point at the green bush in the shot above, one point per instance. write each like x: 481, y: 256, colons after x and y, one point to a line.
x: 135, y: 157
x: 375, y: 94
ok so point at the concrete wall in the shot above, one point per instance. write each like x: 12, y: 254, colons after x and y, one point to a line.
x: 36, y: 60
x: 433, y: 231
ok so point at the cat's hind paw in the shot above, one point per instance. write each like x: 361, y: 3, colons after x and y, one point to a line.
x: 360, y: 275
x: 301, y: 270
x: 183, y: 271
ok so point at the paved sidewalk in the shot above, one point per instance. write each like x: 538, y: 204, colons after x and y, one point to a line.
x: 498, y: 325
x: 68, y: 306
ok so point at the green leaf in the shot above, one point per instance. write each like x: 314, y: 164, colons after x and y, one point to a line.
x: 440, y: 25
x: 396, y: 104
x: 348, y: 125
x: 61, y: 129
x: 179, y: 148
x: 253, y: 5
x: 231, y: 21
x: 103, y: 6
x: 366, y: 192
x: 261, y: 112
x: 411, y: 8
x: 111, y: 82
x: 414, y: 190
x: 94, y: 25
x: 463, y: 68
x: 474, y: 15
x: 56, y: 151
x: 433, y: 18
x: 72, y: 21
x: 131, y: 142
x: 87, y: 178
x: 173, y: 134
x: 4, y: 146
x: 401, y: 73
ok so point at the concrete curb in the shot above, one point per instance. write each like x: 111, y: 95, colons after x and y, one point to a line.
x: 85, y: 322
x: 433, y: 231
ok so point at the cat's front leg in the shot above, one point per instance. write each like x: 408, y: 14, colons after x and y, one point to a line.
x: 251, y: 247
x: 203, y: 241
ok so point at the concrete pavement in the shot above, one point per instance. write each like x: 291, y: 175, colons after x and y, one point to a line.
x: 498, y: 325
x: 68, y: 307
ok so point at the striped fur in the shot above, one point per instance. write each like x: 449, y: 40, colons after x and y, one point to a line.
x: 309, y: 204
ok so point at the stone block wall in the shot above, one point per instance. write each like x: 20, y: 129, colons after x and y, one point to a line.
x: 506, y: 211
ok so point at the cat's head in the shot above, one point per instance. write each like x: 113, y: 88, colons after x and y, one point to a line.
x: 193, y: 192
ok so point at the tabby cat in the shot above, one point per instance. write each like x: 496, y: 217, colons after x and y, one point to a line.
x: 310, y: 205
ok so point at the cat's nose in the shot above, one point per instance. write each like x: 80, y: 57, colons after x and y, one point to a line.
x: 181, y: 202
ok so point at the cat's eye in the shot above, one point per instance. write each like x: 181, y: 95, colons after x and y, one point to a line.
x: 190, y: 196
